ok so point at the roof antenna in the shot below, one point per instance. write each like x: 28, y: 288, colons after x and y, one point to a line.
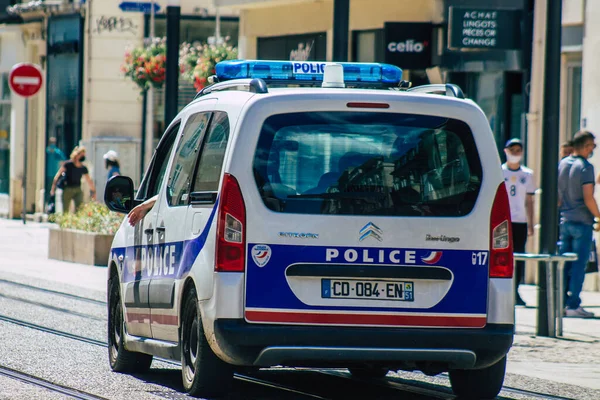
x: 333, y: 76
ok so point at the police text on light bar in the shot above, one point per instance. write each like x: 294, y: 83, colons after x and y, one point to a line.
x: 307, y: 71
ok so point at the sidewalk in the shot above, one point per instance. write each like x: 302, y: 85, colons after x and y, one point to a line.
x: 571, y: 360
x: 24, y: 259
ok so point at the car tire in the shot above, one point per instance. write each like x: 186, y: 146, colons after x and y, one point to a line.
x: 368, y: 372
x: 121, y: 359
x: 204, y: 374
x: 479, y: 384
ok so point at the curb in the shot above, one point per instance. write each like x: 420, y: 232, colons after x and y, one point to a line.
x: 37, y: 217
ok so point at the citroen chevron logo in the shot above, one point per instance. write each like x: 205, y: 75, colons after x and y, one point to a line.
x: 370, y: 229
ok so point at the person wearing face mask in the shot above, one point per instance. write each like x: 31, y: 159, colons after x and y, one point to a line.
x: 578, y: 208
x: 520, y: 186
x: 71, y: 172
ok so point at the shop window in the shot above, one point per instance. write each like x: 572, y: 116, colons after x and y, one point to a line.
x: 310, y: 47
x: 368, y: 46
x: 199, y: 30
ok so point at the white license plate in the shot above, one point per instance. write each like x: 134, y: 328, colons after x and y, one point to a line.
x: 367, y: 289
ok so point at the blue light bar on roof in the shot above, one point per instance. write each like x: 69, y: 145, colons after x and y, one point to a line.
x: 305, y: 71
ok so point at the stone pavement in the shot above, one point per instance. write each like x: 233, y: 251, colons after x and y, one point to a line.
x: 24, y: 256
x: 572, y: 360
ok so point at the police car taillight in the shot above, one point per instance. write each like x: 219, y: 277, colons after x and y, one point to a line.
x: 231, y: 228
x: 501, y: 247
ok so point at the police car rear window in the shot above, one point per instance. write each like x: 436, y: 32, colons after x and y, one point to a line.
x: 367, y: 163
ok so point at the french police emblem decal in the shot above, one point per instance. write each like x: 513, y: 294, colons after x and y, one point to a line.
x: 261, y: 254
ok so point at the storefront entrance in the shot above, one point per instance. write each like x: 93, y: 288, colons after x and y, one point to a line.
x: 500, y: 96
x: 64, y: 93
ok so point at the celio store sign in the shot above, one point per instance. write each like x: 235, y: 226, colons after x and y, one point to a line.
x: 408, y: 44
x: 476, y: 28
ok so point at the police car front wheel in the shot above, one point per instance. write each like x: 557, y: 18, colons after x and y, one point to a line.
x: 121, y: 359
x: 479, y: 384
x: 204, y: 374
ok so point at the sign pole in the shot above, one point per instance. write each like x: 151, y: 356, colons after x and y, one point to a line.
x: 25, y: 79
x: 26, y: 133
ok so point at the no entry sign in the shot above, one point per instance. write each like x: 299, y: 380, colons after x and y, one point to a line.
x: 25, y: 79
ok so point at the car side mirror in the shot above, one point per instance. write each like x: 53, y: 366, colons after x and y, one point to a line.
x: 118, y: 194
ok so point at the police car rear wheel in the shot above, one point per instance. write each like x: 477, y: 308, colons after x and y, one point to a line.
x: 204, y: 374
x: 121, y: 360
x: 368, y: 372
x: 479, y: 384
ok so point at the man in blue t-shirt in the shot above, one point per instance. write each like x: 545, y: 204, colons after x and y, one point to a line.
x: 578, y: 209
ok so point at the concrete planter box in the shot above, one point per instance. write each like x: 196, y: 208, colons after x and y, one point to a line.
x: 79, y: 246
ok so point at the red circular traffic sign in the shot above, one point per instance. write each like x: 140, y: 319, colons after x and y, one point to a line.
x: 25, y: 79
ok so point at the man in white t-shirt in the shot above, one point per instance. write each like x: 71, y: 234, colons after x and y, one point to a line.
x: 520, y: 186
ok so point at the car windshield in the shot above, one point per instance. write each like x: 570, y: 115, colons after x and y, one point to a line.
x: 367, y: 163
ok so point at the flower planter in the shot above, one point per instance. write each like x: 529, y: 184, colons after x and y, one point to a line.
x: 198, y: 62
x: 79, y: 246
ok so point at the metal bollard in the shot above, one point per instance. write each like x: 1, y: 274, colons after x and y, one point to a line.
x: 560, y: 289
x: 550, y: 290
x: 555, y: 293
x: 560, y: 297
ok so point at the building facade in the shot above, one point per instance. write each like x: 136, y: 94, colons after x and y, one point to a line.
x: 21, y: 40
x: 85, y: 100
x: 579, y: 87
x: 482, y: 48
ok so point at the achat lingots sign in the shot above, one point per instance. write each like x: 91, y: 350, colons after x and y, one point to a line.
x: 477, y: 28
x: 408, y: 44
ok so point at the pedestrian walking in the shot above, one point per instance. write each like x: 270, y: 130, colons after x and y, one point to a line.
x: 72, y: 171
x: 54, y: 160
x: 566, y: 149
x: 521, y: 189
x: 578, y: 209
x: 111, y: 162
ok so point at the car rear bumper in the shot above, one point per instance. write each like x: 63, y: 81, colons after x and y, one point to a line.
x: 400, y: 348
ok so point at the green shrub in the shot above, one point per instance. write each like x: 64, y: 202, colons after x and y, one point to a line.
x: 91, y: 217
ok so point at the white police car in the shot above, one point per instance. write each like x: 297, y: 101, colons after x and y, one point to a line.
x: 333, y: 226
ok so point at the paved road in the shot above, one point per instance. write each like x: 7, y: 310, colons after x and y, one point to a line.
x: 67, y: 298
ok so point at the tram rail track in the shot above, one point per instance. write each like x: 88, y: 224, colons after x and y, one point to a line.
x: 54, y: 292
x: 429, y: 389
x: 43, y: 383
x: 32, y: 379
x: 418, y: 388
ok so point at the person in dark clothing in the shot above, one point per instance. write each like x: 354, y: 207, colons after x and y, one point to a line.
x: 566, y: 149
x: 54, y: 159
x: 73, y: 170
x: 578, y: 210
x: 111, y: 162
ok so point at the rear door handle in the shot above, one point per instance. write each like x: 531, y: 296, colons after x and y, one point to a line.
x: 160, y: 229
x: 149, y: 231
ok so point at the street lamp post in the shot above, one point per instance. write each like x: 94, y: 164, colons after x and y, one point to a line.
x: 172, y: 67
x: 341, y: 20
x: 151, y: 20
x: 550, y: 141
